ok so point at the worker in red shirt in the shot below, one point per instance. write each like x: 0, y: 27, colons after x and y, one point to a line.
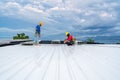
x: 70, y: 39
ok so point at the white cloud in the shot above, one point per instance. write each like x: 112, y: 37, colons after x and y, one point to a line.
x: 10, y: 8
x: 115, y: 30
x: 12, y: 4
x: 28, y: 12
x: 64, y: 13
x: 89, y: 12
x: 57, y: 9
x: 105, y: 14
x: 29, y: 7
x: 10, y: 30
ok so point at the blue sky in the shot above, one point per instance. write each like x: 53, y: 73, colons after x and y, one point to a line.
x: 82, y: 18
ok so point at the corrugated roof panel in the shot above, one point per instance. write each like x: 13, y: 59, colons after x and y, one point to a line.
x: 60, y: 62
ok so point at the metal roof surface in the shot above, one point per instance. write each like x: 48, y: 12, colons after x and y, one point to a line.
x: 60, y: 62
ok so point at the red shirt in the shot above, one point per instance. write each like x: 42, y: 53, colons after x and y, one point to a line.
x: 70, y: 37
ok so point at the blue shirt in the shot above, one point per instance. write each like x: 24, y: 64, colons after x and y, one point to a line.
x: 38, y: 28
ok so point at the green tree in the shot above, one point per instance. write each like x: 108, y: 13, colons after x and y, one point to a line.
x: 21, y: 36
x: 18, y: 35
x: 91, y: 40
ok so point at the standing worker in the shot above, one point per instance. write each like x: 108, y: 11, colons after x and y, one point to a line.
x: 70, y: 39
x: 37, y: 32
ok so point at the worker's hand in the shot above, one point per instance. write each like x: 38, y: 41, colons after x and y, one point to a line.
x: 65, y: 41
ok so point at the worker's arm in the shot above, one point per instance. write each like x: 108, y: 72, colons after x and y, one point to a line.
x: 65, y: 41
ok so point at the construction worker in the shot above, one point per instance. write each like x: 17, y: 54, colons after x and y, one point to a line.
x: 37, y: 32
x: 70, y: 39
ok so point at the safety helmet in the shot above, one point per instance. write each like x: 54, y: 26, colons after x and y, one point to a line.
x: 41, y: 23
x: 67, y: 33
